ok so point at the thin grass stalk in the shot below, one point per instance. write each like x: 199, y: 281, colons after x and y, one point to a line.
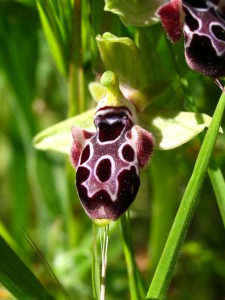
x: 165, y: 268
x: 137, y: 291
x: 76, y: 73
x: 45, y: 263
x: 76, y: 103
x: 52, y: 28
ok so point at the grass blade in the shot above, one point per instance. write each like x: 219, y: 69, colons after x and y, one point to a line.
x: 53, y: 32
x: 17, y: 278
x: 137, y: 291
x: 164, y: 271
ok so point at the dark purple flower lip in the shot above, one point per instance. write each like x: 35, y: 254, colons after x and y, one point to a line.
x: 203, y: 25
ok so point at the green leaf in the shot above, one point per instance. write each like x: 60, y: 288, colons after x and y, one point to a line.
x: 20, y: 22
x: 172, y: 129
x: 58, y: 137
x: 7, y: 237
x: 17, y: 278
x: 135, y: 12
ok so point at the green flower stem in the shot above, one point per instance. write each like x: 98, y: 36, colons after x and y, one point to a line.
x: 137, y: 290
x: 164, y: 271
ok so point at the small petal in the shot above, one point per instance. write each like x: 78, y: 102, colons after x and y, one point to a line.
x: 80, y: 136
x: 144, y: 144
x: 170, y: 15
x: 204, y: 31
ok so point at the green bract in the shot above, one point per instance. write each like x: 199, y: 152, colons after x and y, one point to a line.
x: 125, y: 53
x: 139, y: 81
x: 135, y: 13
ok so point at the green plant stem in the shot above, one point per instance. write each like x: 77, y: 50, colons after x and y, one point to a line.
x: 164, y: 271
x: 137, y: 290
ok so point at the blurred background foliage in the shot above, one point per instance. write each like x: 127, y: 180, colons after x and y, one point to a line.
x: 39, y: 86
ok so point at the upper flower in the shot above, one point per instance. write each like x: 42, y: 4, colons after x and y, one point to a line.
x: 203, y: 25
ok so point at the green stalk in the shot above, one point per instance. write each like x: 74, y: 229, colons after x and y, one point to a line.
x: 164, y: 271
x: 137, y: 290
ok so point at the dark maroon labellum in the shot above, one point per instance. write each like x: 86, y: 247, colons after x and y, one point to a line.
x: 107, y: 177
x: 203, y: 25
